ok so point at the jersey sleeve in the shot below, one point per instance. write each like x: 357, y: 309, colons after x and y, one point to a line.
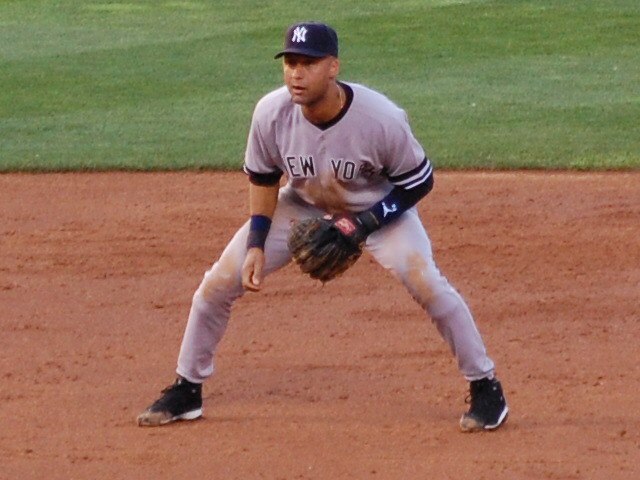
x: 406, y: 163
x: 261, y: 155
x: 420, y: 175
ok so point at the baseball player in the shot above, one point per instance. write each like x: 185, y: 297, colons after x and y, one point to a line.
x: 347, y: 151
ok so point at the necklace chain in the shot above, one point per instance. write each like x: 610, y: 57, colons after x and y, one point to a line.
x: 341, y: 96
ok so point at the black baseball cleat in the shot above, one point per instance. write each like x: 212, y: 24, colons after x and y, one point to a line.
x: 488, y: 407
x: 180, y: 401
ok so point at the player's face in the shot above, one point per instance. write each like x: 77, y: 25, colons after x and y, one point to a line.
x: 308, y: 78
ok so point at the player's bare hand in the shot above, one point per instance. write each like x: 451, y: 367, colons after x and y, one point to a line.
x: 252, y: 269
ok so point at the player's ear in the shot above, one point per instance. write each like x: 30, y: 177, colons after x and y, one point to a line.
x: 334, y: 68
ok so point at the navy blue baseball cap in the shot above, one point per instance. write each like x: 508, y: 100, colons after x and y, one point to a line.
x: 312, y: 39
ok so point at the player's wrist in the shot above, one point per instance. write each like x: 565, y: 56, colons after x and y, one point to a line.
x: 368, y: 221
x: 355, y: 227
x: 259, y: 226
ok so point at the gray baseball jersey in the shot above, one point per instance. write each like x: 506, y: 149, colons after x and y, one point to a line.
x: 350, y: 163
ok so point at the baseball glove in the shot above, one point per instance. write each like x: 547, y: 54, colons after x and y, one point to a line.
x: 326, y: 247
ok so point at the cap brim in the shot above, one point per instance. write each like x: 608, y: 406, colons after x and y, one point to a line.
x: 302, y: 51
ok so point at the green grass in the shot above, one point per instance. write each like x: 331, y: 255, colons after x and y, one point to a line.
x: 169, y: 85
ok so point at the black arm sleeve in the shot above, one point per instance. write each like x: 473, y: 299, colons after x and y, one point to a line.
x: 398, y: 201
x: 263, y: 179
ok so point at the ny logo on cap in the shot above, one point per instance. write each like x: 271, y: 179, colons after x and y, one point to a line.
x: 299, y: 35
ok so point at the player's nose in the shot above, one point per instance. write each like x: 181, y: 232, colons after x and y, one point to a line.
x: 296, y: 69
x: 297, y: 73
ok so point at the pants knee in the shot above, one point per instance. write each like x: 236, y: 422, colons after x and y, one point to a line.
x: 219, y: 283
x: 430, y: 289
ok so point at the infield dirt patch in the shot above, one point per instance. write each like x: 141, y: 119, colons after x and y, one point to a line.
x: 346, y: 381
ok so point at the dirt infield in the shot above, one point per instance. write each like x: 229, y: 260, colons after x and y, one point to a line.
x: 345, y: 381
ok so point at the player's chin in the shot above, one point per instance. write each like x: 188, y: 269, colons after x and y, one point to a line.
x: 299, y: 99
